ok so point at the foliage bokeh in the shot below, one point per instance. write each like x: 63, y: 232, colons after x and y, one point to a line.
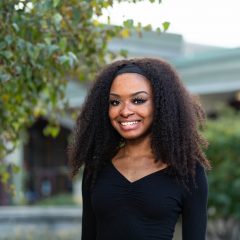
x: 223, y: 135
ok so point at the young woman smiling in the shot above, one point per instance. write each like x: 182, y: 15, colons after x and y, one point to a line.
x: 137, y: 137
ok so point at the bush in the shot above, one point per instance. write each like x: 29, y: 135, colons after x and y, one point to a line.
x: 223, y: 135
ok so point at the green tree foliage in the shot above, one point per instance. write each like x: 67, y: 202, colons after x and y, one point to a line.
x: 223, y: 135
x: 43, y: 44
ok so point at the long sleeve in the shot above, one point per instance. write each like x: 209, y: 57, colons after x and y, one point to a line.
x: 194, y: 215
x: 88, y: 216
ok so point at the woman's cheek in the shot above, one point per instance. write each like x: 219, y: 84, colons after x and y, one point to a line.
x: 113, y: 112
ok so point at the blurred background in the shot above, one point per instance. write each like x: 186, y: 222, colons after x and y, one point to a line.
x: 50, y: 51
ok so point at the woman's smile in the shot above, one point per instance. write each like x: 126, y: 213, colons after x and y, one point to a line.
x: 130, y: 125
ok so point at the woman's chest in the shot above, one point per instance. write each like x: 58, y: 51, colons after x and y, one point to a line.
x: 153, y: 196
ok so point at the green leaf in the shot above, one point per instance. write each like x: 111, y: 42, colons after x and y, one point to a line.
x: 148, y: 27
x: 108, y: 20
x: 21, y: 44
x: 48, y: 40
x: 72, y: 59
x: 2, y: 45
x: 158, y: 30
x: 63, y: 43
x: 52, y: 48
x: 107, y: 4
x: 5, y: 77
x: 128, y: 23
x: 124, y: 53
x: 63, y: 59
x: 15, y: 168
x: 18, y: 69
x: 56, y: 3
x: 166, y: 26
x: 7, y: 54
x: 15, y: 27
x: 5, y: 177
x: 125, y: 33
x: 8, y: 39
x: 76, y: 15
x: 51, y: 131
x: 57, y: 18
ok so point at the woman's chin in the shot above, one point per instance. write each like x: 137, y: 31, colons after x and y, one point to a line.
x: 134, y: 136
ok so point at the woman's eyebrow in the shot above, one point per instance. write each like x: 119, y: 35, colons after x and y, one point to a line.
x: 136, y: 93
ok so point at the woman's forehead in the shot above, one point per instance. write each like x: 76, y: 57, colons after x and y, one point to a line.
x: 129, y: 82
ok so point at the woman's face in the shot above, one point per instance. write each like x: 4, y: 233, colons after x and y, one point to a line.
x: 131, y: 105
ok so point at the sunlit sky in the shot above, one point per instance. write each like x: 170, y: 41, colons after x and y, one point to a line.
x: 210, y: 22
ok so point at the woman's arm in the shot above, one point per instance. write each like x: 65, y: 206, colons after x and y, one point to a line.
x: 194, y: 215
x: 88, y: 216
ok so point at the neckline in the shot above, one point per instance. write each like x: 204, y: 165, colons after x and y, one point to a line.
x: 141, y: 178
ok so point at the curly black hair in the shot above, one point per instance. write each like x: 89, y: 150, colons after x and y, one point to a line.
x: 176, y: 139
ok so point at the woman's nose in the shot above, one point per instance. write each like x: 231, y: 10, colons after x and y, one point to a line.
x: 126, y: 110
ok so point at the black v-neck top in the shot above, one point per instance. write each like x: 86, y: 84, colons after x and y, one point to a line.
x: 146, y: 209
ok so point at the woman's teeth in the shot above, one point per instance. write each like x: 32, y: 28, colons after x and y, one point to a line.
x: 128, y: 123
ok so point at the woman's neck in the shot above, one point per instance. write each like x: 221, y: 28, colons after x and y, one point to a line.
x: 137, y: 148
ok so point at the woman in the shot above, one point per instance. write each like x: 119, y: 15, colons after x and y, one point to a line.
x: 137, y: 136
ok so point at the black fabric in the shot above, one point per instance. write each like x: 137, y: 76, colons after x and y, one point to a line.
x: 130, y: 68
x: 146, y: 209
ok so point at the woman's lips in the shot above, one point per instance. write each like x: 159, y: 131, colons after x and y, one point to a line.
x: 129, y: 125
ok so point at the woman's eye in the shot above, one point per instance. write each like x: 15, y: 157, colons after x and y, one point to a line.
x: 114, y: 102
x: 139, y: 100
